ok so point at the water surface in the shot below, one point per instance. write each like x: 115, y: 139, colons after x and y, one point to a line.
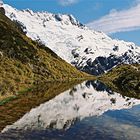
x: 86, y: 111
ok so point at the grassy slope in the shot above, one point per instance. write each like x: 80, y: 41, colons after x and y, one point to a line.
x: 124, y: 79
x: 24, y: 62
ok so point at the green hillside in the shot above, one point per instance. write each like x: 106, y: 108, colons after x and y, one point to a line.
x: 25, y: 63
x: 124, y: 79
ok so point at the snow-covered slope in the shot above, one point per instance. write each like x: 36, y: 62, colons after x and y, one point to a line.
x: 85, y: 100
x: 88, y: 50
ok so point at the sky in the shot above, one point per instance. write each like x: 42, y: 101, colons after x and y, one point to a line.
x: 118, y: 18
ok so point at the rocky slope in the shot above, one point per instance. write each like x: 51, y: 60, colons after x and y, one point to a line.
x: 88, y: 50
x: 24, y: 63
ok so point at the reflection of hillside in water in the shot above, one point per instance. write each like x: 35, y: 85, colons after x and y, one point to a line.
x: 14, y: 110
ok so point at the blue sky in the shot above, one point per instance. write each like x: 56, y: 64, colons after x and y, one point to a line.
x: 117, y: 18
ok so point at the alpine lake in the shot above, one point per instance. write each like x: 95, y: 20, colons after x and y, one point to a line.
x: 86, y: 110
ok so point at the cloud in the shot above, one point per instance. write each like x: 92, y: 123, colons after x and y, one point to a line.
x: 67, y: 2
x: 118, y: 21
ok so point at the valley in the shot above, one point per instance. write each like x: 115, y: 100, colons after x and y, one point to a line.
x: 61, y: 80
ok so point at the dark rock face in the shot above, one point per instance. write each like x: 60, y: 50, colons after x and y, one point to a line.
x: 58, y: 18
x: 2, y: 10
x: 21, y: 26
x: 102, y: 64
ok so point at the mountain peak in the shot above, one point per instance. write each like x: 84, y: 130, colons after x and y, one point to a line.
x: 67, y: 19
x: 44, y: 16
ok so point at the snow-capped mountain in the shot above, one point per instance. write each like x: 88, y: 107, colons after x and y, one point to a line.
x: 90, y: 51
x: 84, y: 100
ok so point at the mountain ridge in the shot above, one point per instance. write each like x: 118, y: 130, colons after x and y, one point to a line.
x: 89, y: 51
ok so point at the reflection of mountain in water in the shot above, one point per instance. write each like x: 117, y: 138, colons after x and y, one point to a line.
x: 99, y: 86
x: 87, y: 99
